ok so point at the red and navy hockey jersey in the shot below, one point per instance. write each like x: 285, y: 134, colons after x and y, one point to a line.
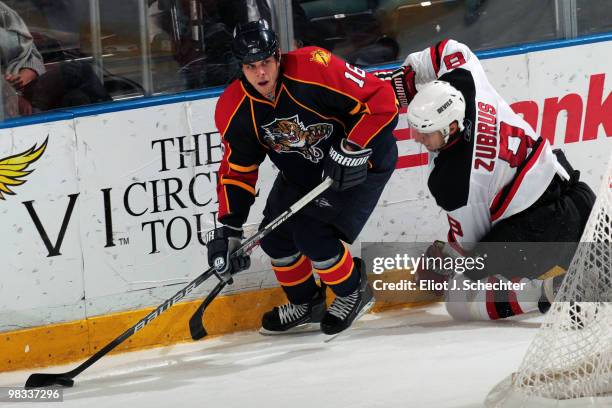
x: 319, y: 100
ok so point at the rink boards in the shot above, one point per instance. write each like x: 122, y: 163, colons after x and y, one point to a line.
x: 110, y: 218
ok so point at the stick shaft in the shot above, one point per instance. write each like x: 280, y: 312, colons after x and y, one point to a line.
x: 252, y: 242
x: 142, y: 323
x: 246, y: 246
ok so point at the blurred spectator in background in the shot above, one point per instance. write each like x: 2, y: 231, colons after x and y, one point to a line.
x: 197, y: 34
x: 472, y: 11
x: 233, y: 12
x: 208, y: 60
x: 217, y: 66
x: 20, y: 62
x: 68, y: 83
x: 383, y: 50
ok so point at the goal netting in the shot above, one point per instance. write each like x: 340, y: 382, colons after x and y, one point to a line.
x: 569, y: 362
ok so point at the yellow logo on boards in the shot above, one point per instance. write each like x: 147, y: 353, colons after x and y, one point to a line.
x: 14, y: 168
x: 320, y: 56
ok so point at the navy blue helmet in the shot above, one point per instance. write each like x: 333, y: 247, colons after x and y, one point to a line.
x: 254, y: 41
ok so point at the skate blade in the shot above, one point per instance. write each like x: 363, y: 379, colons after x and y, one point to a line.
x: 302, y: 328
x: 363, y: 311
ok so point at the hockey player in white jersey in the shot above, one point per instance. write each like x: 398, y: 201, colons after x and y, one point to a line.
x: 497, y: 180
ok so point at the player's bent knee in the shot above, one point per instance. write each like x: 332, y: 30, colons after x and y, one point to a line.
x: 276, y: 247
x: 320, y: 249
x: 459, y: 310
x: 465, y: 311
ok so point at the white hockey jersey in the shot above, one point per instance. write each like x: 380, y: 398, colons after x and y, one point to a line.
x: 498, y: 166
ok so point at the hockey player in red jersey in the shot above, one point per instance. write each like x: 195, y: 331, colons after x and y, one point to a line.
x: 497, y: 180
x: 314, y: 116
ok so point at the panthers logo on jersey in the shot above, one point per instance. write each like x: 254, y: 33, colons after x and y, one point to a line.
x: 289, y: 135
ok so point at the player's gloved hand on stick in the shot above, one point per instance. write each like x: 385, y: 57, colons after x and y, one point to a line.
x: 402, y: 81
x: 431, y: 267
x: 346, y: 164
x: 221, y: 243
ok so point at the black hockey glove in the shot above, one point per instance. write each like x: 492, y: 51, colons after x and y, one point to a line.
x: 402, y: 80
x: 221, y: 243
x: 347, y: 168
x: 432, y: 267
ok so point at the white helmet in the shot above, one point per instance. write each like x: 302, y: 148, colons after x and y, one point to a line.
x: 435, y: 107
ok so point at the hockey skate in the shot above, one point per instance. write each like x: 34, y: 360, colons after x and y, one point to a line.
x: 295, y: 318
x: 344, y: 310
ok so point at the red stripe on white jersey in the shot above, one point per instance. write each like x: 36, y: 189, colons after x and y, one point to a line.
x: 516, y: 184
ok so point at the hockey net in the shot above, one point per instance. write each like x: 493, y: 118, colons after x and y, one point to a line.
x: 569, y: 362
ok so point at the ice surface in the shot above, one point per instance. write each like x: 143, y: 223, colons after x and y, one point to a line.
x: 415, y: 357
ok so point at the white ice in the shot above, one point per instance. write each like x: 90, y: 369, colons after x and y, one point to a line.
x: 415, y: 357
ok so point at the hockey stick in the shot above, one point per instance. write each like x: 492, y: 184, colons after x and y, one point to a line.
x: 37, y: 380
x: 66, y: 379
x: 196, y: 325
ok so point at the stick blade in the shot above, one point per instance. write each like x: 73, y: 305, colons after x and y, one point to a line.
x: 48, y: 380
x: 196, y: 324
x: 196, y: 327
